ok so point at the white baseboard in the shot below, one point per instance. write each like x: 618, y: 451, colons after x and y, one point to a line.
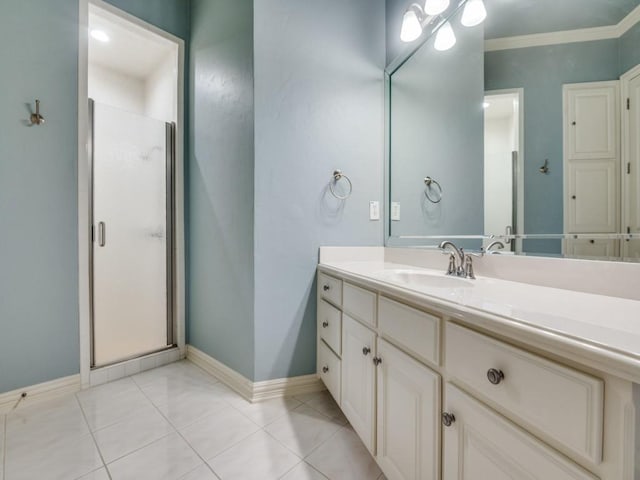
x: 254, y: 391
x: 39, y: 392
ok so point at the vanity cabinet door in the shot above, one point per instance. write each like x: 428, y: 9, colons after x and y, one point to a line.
x: 358, y: 379
x: 480, y: 445
x: 408, y: 417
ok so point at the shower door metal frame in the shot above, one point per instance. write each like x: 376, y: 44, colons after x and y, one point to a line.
x: 170, y: 148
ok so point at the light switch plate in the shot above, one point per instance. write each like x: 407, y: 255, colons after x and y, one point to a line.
x: 374, y: 210
x: 395, y: 211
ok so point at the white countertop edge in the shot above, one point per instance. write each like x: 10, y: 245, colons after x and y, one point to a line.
x: 597, y: 356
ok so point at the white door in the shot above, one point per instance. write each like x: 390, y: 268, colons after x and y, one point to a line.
x: 480, y: 445
x: 591, y: 120
x: 131, y: 245
x: 592, y: 196
x: 408, y: 417
x: 632, y: 172
x: 358, y: 379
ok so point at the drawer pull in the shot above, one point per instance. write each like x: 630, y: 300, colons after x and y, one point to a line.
x: 325, y: 324
x: 325, y: 369
x: 448, y: 419
x: 366, y: 351
x: 495, y: 376
x: 326, y: 288
x: 377, y: 361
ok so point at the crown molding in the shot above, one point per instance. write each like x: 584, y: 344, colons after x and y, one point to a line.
x: 565, y: 36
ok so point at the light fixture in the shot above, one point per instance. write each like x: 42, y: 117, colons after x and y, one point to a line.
x: 474, y: 13
x: 435, y: 7
x: 100, y: 35
x: 411, y: 26
x: 445, y: 38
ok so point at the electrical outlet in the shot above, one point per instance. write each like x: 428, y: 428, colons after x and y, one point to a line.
x: 374, y: 210
x: 395, y: 211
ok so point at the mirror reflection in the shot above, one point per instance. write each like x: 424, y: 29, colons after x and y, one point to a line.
x: 525, y: 128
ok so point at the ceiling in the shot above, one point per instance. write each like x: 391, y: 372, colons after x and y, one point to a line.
x: 131, y: 50
x: 507, y: 18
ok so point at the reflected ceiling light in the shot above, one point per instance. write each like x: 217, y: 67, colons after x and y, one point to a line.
x: 445, y: 38
x: 411, y: 26
x: 100, y: 35
x: 474, y: 13
x: 435, y: 7
x: 486, y: 105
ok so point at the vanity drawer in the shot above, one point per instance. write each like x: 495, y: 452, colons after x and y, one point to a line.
x: 359, y: 303
x: 330, y: 325
x: 560, y: 402
x: 416, y: 331
x: 329, y: 370
x: 330, y: 288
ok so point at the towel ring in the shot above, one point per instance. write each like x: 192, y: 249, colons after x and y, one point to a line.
x: 428, y: 181
x: 337, y: 176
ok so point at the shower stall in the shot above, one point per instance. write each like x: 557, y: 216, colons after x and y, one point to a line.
x: 131, y: 281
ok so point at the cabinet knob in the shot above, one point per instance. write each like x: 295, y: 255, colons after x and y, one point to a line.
x: 495, y: 376
x: 573, y: 197
x: 366, y: 351
x: 377, y: 361
x: 326, y: 288
x: 325, y: 369
x: 448, y: 419
x: 573, y: 123
x: 325, y: 324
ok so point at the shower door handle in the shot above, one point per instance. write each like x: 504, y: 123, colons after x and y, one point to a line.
x: 102, y: 239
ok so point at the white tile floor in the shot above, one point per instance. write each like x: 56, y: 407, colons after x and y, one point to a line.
x: 178, y: 423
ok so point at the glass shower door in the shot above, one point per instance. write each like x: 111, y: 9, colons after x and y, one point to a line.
x: 131, y: 281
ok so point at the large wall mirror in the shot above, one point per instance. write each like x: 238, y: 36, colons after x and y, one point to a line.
x: 525, y: 130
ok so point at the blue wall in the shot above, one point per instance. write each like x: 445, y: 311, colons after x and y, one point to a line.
x: 221, y: 182
x: 542, y: 71
x: 630, y: 49
x: 318, y: 106
x: 169, y: 15
x: 38, y: 205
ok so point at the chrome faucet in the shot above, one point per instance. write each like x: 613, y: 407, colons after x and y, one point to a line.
x: 497, y: 244
x: 455, y: 268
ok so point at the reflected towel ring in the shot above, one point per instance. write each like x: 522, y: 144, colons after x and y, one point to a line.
x: 337, y: 176
x: 429, y: 182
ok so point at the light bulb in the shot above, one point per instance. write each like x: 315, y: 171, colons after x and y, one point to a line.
x: 445, y: 38
x: 100, y: 35
x: 411, y: 27
x: 435, y: 7
x: 474, y: 13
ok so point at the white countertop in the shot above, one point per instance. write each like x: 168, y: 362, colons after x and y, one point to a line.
x: 602, y: 325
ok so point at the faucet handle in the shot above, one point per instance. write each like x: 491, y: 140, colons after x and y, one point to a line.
x: 452, y: 265
x: 468, y: 266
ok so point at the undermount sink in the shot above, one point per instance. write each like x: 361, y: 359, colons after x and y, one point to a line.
x: 425, y: 279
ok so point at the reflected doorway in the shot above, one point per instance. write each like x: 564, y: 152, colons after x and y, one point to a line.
x: 503, y: 166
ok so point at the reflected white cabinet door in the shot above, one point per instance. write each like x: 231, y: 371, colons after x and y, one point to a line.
x: 358, y: 379
x: 591, y: 120
x: 408, y: 417
x: 592, y: 196
x: 482, y: 445
x: 591, y: 247
x: 632, y: 131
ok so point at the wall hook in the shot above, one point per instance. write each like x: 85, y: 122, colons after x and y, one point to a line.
x: 36, y: 118
x: 545, y: 168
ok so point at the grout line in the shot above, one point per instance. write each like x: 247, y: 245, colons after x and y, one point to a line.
x: 84, y: 415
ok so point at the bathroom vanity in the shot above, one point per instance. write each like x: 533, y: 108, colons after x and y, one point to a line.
x: 451, y: 378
